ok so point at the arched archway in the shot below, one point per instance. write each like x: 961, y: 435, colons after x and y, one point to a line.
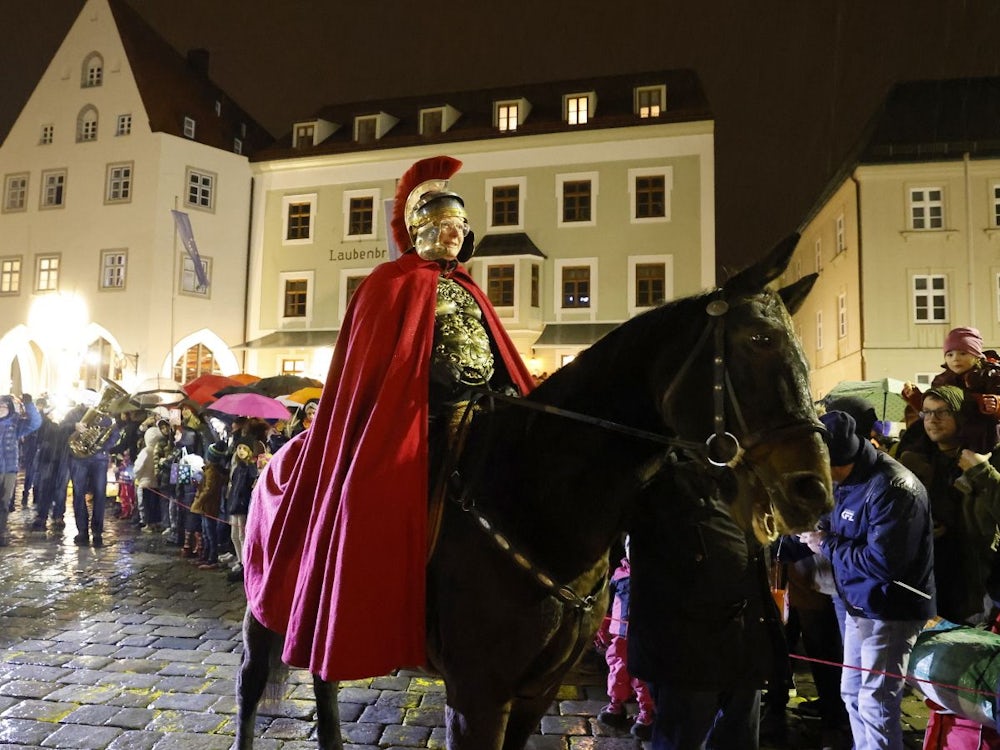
x: 200, y: 352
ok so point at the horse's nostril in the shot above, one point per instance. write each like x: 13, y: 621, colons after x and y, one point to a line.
x: 810, y: 489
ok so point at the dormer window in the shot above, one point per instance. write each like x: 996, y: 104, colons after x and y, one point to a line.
x: 365, y: 129
x: 189, y: 127
x: 508, y: 116
x: 304, y: 135
x: 237, y: 146
x: 579, y: 108
x: 93, y: 71
x: 650, y: 101
x: 309, y: 133
x: 434, y: 120
x: 431, y: 121
x: 370, y: 128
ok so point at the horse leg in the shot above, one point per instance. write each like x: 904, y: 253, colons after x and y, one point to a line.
x: 476, y: 727
x: 327, y: 715
x: 258, y: 650
x: 525, y: 713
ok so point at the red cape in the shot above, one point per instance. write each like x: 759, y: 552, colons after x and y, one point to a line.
x: 336, y: 539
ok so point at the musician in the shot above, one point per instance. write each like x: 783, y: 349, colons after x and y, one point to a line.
x: 16, y: 421
x: 89, y: 472
x: 417, y: 334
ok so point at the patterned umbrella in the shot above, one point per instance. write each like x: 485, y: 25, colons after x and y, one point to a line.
x: 250, y: 405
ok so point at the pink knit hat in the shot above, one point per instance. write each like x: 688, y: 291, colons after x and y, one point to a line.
x: 964, y: 339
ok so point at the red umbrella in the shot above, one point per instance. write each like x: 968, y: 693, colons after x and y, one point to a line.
x: 250, y: 405
x: 203, y: 388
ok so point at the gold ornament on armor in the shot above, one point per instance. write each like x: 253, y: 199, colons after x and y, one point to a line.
x: 461, y: 353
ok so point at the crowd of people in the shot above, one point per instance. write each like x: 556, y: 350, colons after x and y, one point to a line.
x: 912, y: 534
x: 169, y: 471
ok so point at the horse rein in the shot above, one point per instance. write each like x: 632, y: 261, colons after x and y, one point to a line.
x: 737, y: 454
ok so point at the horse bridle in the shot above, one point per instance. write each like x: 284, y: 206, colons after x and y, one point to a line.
x: 721, y: 437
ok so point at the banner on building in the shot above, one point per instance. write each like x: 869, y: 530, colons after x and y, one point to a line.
x: 183, y: 223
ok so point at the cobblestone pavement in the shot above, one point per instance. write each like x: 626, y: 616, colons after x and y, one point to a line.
x: 130, y: 647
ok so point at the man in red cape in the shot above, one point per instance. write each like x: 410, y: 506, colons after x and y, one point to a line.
x: 336, y: 539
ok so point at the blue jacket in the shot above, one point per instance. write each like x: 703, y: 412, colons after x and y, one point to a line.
x: 12, y: 428
x: 880, y: 540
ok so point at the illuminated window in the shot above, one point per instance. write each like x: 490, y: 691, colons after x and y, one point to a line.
x: 196, y: 361
x: 649, y: 101
x: 577, y: 110
x: 10, y: 275
x: 507, y: 117
x: 47, y: 273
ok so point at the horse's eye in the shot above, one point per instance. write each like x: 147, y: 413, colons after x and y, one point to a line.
x: 762, y: 340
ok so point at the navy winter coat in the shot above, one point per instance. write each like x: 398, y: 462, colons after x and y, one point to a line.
x: 880, y: 540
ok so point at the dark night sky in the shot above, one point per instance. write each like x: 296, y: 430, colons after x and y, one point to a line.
x: 792, y: 83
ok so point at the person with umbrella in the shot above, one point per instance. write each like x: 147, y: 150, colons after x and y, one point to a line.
x: 418, y: 334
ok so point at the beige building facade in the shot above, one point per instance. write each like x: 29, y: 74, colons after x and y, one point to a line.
x: 587, y: 209
x: 907, y: 239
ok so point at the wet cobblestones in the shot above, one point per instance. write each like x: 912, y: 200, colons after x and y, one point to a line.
x: 130, y: 647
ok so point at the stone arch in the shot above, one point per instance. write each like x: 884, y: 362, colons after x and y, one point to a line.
x: 224, y: 357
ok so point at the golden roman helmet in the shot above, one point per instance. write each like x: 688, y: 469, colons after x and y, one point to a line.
x: 423, y: 197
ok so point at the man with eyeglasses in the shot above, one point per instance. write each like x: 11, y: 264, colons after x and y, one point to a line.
x: 964, y: 491
x: 345, y: 579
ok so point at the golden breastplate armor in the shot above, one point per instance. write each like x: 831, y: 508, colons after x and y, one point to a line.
x: 461, y: 353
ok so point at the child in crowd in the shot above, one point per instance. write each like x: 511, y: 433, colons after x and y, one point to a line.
x: 144, y: 476
x: 968, y: 367
x: 208, y: 503
x: 613, y: 635
x: 244, y: 476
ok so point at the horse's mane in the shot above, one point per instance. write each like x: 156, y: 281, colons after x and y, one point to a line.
x: 616, y: 356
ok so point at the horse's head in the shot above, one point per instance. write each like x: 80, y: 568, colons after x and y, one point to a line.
x: 746, y: 392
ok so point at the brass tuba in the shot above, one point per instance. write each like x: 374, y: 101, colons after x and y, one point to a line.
x: 98, y: 421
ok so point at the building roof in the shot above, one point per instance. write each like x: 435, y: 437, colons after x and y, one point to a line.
x: 512, y: 243
x: 615, y: 107
x: 174, y: 87
x: 936, y: 120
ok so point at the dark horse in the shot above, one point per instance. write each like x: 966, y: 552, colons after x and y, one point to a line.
x: 516, y: 586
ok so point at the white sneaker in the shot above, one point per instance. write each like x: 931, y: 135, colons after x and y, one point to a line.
x: 229, y: 556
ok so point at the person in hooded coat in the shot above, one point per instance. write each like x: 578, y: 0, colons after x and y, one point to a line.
x: 336, y: 540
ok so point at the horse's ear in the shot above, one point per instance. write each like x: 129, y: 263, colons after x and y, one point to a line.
x: 763, y: 272
x: 795, y: 294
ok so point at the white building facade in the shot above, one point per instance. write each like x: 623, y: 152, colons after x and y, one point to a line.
x: 94, y: 281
